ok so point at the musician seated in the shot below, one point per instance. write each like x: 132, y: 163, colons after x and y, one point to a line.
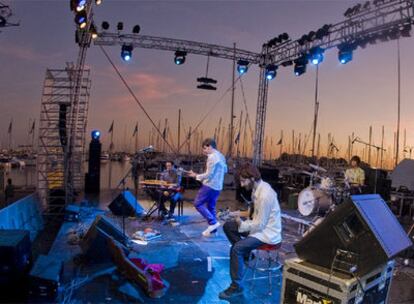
x: 355, y: 176
x: 170, y: 193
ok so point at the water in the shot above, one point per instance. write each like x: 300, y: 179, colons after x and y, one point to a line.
x: 111, y: 175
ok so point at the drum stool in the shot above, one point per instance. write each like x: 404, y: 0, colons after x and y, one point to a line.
x: 268, y: 255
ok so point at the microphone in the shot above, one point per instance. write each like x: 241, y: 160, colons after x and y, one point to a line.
x: 150, y: 148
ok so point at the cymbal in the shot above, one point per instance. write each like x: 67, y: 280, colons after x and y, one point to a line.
x: 317, y: 168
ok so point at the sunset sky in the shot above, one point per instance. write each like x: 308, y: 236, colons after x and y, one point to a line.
x: 352, y: 96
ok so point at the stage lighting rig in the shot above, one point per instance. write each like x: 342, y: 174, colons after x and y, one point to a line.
x: 300, y: 65
x: 242, y: 66
x: 316, y: 55
x: 98, y: 2
x: 93, y: 31
x: 345, y: 53
x: 278, y: 40
x: 81, y: 19
x: 120, y: 26
x: 136, y: 29
x: 271, y: 71
x: 179, y: 57
x: 95, y: 135
x: 206, y: 83
x: 105, y: 25
x: 126, y: 52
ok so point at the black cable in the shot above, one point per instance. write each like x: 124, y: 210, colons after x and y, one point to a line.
x: 135, y: 97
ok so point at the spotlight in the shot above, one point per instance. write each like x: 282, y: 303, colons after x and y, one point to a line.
x: 270, y: 72
x: 105, y: 25
x: 344, y: 56
x: 81, y: 5
x: 120, y: 26
x: 300, y: 65
x: 242, y: 66
x: 179, y: 57
x: 136, y: 29
x: 316, y: 55
x: 96, y: 134
x: 80, y: 19
x: 98, y: 2
x: 93, y: 31
x: 126, y: 52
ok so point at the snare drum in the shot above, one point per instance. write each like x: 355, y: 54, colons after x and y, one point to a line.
x: 326, y: 184
x: 312, y: 200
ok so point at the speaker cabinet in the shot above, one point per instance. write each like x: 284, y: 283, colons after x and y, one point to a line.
x: 363, y: 225
x: 94, y: 244
x: 126, y: 204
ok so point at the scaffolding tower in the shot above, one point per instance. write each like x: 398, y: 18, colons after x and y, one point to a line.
x: 57, y: 119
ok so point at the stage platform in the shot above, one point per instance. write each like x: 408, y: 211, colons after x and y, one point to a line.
x: 196, y: 267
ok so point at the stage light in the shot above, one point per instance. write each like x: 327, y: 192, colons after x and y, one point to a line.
x: 105, y: 25
x: 126, y: 52
x: 120, y: 26
x: 316, y: 55
x: 344, y: 56
x: 80, y: 19
x: 270, y: 72
x: 96, y: 134
x: 98, y: 2
x: 136, y: 29
x: 242, y: 66
x: 179, y: 57
x: 80, y: 5
x: 300, y: 65
x: 93, y: 31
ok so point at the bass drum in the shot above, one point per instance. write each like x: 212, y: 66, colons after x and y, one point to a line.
x: 313, y: 200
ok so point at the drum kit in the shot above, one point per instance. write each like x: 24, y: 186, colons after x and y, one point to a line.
x: 323, y: 193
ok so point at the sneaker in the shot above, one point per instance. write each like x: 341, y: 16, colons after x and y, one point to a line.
x: 210, y: 229
x: 231, y: 292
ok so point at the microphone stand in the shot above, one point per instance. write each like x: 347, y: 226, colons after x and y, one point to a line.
x: 358, y: 140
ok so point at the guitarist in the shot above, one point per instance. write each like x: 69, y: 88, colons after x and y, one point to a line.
x: 265, y: 227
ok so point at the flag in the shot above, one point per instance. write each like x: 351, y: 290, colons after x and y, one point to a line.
x: 111, y: 128
x: 33, y: 127
x: 236, y: 141
x: 10, y: 127
x: 280, y: 141
x: 135, y: 130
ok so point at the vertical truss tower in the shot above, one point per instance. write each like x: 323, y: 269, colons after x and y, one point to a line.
x: 57, y: 119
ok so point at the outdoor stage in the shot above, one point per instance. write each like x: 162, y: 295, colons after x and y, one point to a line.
x: 197, y: 268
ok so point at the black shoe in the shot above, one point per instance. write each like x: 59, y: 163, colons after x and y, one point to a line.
x: 231, y: 292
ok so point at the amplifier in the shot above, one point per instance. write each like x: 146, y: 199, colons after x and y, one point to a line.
x: 45, y: 278
x: 15, y: 254
x: 304, y: 283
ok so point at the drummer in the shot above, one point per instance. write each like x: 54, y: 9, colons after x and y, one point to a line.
x: 355, y: 176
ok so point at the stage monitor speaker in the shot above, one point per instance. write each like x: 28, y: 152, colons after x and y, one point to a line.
x: 94, y: 244
x: 363, y: 225
x: 126, y: 204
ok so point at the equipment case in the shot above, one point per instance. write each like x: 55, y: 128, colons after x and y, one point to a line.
x: 304, y: 283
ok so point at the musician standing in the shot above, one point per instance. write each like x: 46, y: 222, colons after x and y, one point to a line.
x: 212, y: 180
x: 265, y: 227
x: 355, y: 176
x: 171, y: 193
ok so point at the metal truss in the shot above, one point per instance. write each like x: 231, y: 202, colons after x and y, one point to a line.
x: 385, y: 15
x: 169, y: 44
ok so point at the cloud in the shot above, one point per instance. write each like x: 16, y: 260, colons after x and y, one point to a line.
x: 20, y: 52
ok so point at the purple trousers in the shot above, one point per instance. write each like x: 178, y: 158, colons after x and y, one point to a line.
x: 205, y: 203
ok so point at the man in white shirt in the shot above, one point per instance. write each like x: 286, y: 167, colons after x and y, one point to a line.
x: 265, y: 227
x: 212, y: 179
